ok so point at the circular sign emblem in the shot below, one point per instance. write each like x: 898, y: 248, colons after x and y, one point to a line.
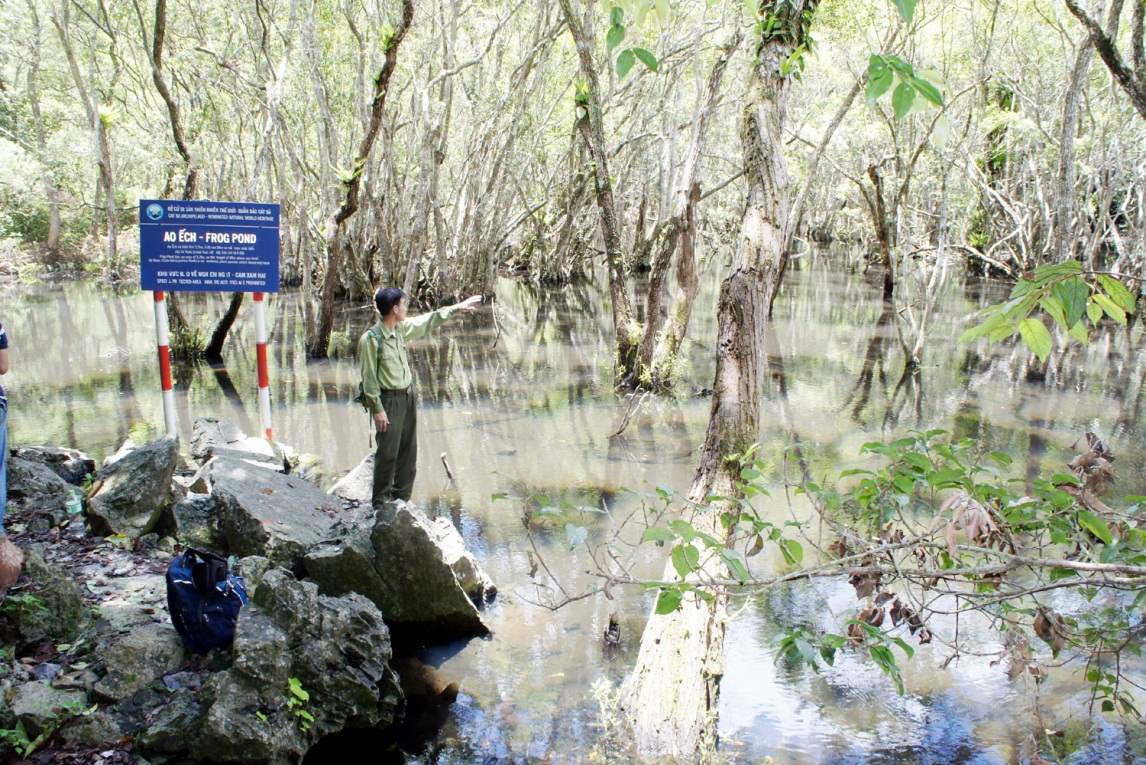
x: 154, y: 211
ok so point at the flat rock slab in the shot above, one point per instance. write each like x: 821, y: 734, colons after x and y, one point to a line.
x: 262, y: 512
x: 219, y: 438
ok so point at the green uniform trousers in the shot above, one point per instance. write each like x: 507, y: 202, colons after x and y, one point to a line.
x: 396, y: 456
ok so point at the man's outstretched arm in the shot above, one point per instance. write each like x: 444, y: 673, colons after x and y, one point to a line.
x: 420, y: 326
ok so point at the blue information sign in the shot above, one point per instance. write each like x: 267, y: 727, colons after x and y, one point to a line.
x: 208, y: 246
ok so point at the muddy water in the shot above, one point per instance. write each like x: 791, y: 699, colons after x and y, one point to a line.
x: 518, y: 399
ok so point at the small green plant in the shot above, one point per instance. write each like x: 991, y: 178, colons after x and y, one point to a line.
x: 18, y: 738
x: 298, y: 699
x: 23, y: 603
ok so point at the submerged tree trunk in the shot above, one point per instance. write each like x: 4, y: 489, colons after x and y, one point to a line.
x: 672, y: 695
x: 589, y: 123
x: 318, y: 345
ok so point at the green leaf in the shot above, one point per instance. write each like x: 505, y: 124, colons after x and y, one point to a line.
x: 657, y: 535
x: 614, y: 37
x: 902, y: 99
x: 1073, y: 294
x: 792, y: 550
x: 617, y: 16
x: 1093, y: 311
x: 1062, y: 573
x: 1080, y: 333
x: 1107, y: 705
x: 1036, y: 337
x: 683, y: 529
x: 1118, y: 293
x: 735, y: 566
x: 685, y: 559
x: 1095, y: 525
x: 1002, y: 458
x: 668, y: 601
x: 1053, y: 306
x: 625, y: 62
x: 906, y: 10
x: 928, y: 90
x: 1111, y: 308
x: 946, y: 478
x: 879, y: 79
x: 646, y: 58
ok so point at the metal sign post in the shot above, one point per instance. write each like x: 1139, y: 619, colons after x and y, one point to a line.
x: 264, y: 377
x: 202, y: 246
x: 161, y: 339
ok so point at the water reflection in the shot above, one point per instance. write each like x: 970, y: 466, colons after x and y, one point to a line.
x: 519, y: 398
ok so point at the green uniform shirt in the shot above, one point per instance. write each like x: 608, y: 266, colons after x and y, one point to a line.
x: 382, y: 354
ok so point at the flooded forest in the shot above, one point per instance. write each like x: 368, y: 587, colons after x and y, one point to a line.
x: 801, y: 420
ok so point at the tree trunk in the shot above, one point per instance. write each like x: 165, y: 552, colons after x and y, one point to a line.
x: 318, y: 345
x: 672, y: 695
x: 590, y: 125
x: 879, y: 221
x: 96, y: 121
x: 678, y: 226
x: 214, y: 349
x: 1064, y: 197
x: 51, y: 188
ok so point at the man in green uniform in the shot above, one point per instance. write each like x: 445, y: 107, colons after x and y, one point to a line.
x: 387, y: 387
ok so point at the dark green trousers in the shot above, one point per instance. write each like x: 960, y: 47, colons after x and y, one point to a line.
x: 396, y: 456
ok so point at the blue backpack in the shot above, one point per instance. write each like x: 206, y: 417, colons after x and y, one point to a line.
x: 204, y: 598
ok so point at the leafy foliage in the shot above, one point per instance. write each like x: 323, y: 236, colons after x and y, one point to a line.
x: 1077, y: 302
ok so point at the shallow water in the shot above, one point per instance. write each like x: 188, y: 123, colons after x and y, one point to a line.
x: 518, y: 397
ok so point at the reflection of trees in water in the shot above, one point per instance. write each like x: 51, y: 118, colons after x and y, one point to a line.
x: 127, y: 408
x: 875, y: 354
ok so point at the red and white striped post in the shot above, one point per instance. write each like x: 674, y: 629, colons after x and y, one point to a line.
x: 163, y: 341
x: 264, y: 376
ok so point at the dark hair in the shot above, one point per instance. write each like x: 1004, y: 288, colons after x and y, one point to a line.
x: 386, y: 299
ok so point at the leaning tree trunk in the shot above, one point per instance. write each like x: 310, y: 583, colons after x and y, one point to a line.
x: 318, y: 345
x: 672, y: 695
x: 590, y: 125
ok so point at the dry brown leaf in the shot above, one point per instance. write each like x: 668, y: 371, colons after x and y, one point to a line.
x: 968, y: 514
x: 873, y: 616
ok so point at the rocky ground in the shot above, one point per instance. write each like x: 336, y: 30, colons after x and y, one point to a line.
x: 91, y: 669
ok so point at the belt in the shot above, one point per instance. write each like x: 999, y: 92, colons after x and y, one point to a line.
x: 396, y: 391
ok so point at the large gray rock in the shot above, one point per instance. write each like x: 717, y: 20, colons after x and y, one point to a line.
x: 71, y: 465
x: 136, y: 659
x: 262, y: 512
x: 339, y: 651
x: 40, y: 706
x: 133, y: 488
x: 195, y: 521
x: 34, y: 486
x: 51, y: 607
x: 357, y: 485
x: 219, y: 438
x: 406, y: 565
